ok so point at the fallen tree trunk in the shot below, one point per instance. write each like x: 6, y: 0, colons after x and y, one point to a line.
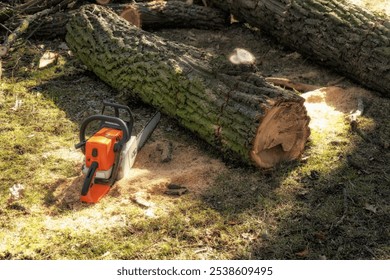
x: 346, y: 37
x: 174, y: 14
x: 156, y: 14
x: 242, y: 116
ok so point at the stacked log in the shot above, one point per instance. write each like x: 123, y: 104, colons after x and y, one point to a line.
x: 336, y: 33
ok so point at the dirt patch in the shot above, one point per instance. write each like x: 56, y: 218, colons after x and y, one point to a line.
x: 189, y: 167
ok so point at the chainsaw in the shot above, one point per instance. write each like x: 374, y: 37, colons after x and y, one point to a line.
x: 111, y: 151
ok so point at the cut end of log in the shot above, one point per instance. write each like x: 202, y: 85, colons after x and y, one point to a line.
x: 131, y: 14
x: 282, y: 135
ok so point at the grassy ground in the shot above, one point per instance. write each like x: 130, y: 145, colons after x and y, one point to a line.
x: 333, y: 204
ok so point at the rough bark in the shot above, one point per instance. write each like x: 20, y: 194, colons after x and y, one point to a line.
x: 52, y: 26
x: 243, y: 116
x: 174, y: 13
x: 346, y: 37
x: 153, y: 15
x: 35, y: 6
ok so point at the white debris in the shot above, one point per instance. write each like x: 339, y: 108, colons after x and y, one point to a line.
x: 18, y: 104
x: 16, y: 191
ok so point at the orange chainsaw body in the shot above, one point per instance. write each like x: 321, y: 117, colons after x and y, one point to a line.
x: 100, y: 148
x: 111, y: 150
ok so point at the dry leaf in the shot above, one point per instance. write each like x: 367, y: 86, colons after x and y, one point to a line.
x: 141, y: 198
x: 371, y: 208
x: 303, y: 253
x: 320, y: 235
x: 48, y: 58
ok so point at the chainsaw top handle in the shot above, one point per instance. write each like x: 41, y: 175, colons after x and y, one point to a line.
x: 117, y: 108
x: 110, y: 121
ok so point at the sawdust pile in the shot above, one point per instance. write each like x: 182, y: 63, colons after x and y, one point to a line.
x: 189, y: 167
x: 144, y: 188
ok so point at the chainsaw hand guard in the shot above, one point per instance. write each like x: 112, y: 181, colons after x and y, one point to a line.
x: 106, y: 121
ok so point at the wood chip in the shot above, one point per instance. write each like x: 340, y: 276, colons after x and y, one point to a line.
x: 141, y: 199
x: 47, y: 59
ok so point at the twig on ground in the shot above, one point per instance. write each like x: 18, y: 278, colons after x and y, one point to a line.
x: 26, y: 22
x: 354, y: 116
x: 335, y: 82
x: 287, y: 83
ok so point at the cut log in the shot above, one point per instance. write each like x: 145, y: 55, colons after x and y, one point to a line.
x: 242, y: 116
x: 52, y: 26
x: 35, y: 6
x: 152, y: 15
x: 336, y: 33
x: 159, y: 14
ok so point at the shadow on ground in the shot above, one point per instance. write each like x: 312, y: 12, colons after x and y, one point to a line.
x: 342, y: 214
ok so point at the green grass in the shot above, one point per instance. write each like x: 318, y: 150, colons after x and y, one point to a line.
x: 302, y: 210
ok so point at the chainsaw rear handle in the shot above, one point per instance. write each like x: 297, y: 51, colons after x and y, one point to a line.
x: 89, y: 179
x: 104, y: 119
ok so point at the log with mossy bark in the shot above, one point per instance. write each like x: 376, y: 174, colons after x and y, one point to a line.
x: 241, y: 115
x: 336, y: 33
x: 157, y: 14
x: 150, y: 15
